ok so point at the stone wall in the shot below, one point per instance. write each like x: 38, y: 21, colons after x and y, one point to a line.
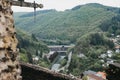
x: 34, y: 72
x: 9, y: 66
x: 113, y: 71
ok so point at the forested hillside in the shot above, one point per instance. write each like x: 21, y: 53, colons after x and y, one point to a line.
x: 95, y: 44
x: 111, y: 26
x: 30, y: 47
x: 65, y: 26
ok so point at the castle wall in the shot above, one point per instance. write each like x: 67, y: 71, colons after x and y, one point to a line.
x: 9, y: 65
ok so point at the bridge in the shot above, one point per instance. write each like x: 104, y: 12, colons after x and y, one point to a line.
x: 57, y: 51
x: 60, y: 48
x: 56, y: 54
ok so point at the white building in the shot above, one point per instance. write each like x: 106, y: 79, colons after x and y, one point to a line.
x: 109, y: 51
x: 103, y: 56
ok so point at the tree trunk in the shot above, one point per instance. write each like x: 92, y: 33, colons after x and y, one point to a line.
x: 9, y: 65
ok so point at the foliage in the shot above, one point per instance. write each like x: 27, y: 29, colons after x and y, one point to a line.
x: 116, y: 57
x: 44, y: 63
x: 85, y: 78
x: 29, y: 46
x: 112, y: 26
x: 63, y: 62
x: 65, y: 27
x: 92, y: 45
x: 23, y: 57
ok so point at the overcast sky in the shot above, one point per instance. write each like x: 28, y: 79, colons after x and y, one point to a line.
x: 61, y: 5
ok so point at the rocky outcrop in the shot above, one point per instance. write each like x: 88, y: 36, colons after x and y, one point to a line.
x: 9, y: 66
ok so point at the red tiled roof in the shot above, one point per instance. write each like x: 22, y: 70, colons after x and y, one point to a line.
x: 117, y: 47
x: 103, y: 74
x: 94, y: 77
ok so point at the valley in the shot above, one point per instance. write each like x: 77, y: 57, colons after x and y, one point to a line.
x: 72, y: 41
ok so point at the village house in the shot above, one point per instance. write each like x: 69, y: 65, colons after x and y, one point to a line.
x: 91, y: 75
x: 117, y: 49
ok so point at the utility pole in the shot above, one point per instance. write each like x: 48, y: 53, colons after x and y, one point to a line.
x: 9, y: 54
x: 26, y: 4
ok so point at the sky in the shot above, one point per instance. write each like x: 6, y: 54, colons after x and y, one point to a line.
x: 62, y: 5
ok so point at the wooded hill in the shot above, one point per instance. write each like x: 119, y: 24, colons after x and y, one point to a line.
x: 65, y: 26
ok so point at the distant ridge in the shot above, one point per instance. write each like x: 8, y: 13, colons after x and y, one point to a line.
x: 66, y: 25
x: 37, y: 13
